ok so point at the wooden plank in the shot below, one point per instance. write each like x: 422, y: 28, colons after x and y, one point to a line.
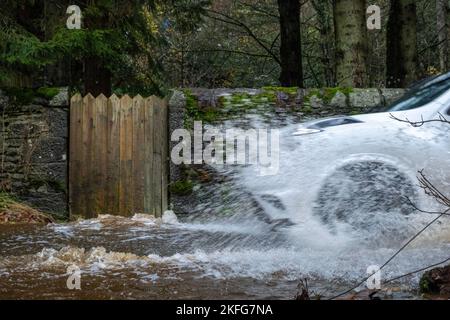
x: 119, y: 156
x: 126, y: 156
x: 75, y: 153
x: 148, y: 162
x: 87, y: 199
x: 165, y: 156
x: 157, y: 156
x: 113, y: 156
x: 138, y: 153
x: 99, y: 159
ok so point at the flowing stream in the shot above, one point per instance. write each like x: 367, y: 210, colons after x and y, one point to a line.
x: 258, y: 242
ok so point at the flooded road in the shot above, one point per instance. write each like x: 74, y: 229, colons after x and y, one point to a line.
x: 138, y: 258
x: 143, y: 258
x: 246, y: 237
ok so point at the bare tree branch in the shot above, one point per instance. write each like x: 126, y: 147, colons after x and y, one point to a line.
x: 417, y: 124
x: 219, y: 16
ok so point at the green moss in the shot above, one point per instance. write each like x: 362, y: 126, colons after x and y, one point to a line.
x: 330, y: 93
x: 312, y: 93
x: 229, y: 106
x: 266, y: 96
x: 24, y: 96
x: 327, y: 94
x: 191, y: 101
x: 347, y: 90
x: 307, y: 109
x: 239, y: 103
x: 210, y: 115
x: 428, y: 285
x: 6, y: 199
x: 47, y: 93
x: 288, y: 90
x: 240, y: 100
x: 195, y: 113
x: 424, y: 285
x: 182, y: 187
x: 19, y: 96
x: 191, y: 109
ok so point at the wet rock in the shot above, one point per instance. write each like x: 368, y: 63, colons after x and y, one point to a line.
x: 209, y: 98
x: 282, y: 97
x: 61, y: 99
x: 316, y: 102
x: 436, y: 281
x: 339, y: 100
x: 391, y: 95
x: 3, y: 100
x: 365, y: 98
x: 40, y: 101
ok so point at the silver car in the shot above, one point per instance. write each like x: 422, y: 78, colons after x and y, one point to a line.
x: 360, y: 172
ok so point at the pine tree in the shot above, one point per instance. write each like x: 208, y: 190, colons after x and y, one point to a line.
x: 113, y: 46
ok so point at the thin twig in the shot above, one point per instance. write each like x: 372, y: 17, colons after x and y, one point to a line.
x: 417, y: 124
x: 393, y: 256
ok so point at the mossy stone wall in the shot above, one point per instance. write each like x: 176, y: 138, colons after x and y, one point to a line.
x: 34, y: 147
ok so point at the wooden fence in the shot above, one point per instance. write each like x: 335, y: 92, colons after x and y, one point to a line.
x: 118, y: 161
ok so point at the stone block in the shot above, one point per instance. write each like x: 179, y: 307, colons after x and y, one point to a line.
x: 365, y: 98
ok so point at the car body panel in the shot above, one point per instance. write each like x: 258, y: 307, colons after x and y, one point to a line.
x: 308, y: 158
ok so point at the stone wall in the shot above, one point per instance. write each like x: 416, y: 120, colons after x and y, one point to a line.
x: 315, y: 102
x: 177, y: 109
x: 33, y: 151
x: 34, y: 135
x: 194, y: 185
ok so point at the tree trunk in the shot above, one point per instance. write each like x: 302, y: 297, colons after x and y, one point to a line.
x: 401, y: 54
x: 351, y: 42
x: 291, y: 49
x: 325, y: 20
x: 442, y: 30
x: 97, y: 79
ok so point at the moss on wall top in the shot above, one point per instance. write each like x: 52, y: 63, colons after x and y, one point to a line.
x: 24, y: 96
x: 327, y: 94
x: 288, y: 90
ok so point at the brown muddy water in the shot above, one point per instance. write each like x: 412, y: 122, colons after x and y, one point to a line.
x: 144, y: 258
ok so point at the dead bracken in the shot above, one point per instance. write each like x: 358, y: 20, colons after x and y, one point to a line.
x: 13, y: 212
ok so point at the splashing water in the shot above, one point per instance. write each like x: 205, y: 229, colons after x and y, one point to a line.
x: 258, y: 241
